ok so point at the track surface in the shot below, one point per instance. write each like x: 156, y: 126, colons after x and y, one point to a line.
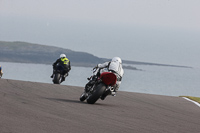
x: 30, y: 107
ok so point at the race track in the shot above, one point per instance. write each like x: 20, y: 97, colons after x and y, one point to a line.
x: 31, y: 107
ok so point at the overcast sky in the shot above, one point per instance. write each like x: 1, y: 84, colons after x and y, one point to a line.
x: 159, y: 31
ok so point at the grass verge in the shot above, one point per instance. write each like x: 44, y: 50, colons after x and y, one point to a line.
x: 196, y: 99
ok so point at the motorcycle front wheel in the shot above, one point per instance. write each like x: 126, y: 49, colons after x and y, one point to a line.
x: 83, y: 97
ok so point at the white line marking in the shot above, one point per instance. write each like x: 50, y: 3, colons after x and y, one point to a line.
x: 192, y: 101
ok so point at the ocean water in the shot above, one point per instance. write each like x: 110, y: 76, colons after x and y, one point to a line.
x: 159, y: 80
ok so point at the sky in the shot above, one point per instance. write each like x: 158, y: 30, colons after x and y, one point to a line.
x: 157, y: 31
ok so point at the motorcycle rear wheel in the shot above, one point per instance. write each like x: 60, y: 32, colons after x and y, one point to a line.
x: 57, y: 78
x: 100, y: 89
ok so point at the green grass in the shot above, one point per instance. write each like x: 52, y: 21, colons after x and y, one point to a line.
x: 197, y: 99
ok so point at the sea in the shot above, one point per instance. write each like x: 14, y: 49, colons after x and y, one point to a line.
x: 151, y: 79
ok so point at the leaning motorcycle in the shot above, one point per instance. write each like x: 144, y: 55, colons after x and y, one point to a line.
x: 99, y: 87
x: 58, y: 74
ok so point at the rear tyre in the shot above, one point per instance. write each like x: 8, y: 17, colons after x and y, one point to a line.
x: 57, y: 78
x: 100, y: 89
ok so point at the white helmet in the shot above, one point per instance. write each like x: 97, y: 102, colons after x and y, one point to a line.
x: 117, y: 59
x: 62, y: 55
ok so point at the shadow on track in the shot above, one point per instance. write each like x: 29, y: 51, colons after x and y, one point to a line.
x: 64, y: 100
x: 75, y: 101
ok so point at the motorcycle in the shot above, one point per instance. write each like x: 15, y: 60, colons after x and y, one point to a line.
x: 99, y: 86
x: 58, y: 74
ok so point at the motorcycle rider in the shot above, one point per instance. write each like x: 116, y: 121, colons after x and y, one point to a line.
x: 1, y: 71
x: 65, y: 63
x: 114, y: 66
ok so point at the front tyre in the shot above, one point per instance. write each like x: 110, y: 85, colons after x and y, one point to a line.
x: 100, y: 89
x: 83, y: 97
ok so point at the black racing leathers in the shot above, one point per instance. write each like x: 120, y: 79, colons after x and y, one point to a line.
x: 64, y: 62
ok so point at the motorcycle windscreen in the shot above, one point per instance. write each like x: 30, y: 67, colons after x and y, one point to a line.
x: 108, y: 78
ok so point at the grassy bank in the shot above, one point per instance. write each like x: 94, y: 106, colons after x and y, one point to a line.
x: 197, y: 99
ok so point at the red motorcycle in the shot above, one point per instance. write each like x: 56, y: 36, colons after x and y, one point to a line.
x: 99, y: 86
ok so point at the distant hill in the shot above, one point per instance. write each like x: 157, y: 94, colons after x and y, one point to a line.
x: 34, y: 53
x: 24, y: 52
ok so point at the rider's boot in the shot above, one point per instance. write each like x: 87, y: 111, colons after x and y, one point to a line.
x: 113, y: 93
x: 63, y: 79
x: 64, y: 76
x: 115, y: 89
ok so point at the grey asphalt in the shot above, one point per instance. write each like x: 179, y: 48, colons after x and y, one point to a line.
x: 31, y: 107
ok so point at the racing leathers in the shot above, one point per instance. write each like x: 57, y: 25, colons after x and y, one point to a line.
x: 114, y: 67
